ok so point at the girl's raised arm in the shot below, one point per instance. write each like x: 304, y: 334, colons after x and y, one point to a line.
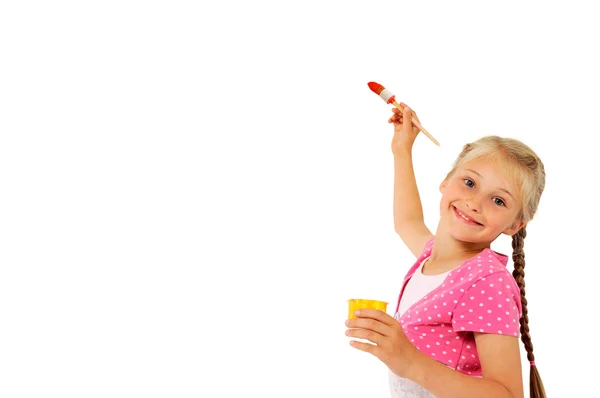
x: 409, y: 222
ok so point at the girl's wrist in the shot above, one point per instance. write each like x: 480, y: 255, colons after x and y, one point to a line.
x: 402, y: 150
x: 418, y: 363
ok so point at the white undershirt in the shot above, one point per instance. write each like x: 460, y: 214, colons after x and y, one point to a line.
x: 418, y: 286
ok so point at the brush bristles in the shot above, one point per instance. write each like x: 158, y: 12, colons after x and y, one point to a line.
x: 376, y: 87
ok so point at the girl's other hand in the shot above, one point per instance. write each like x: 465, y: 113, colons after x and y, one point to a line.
x: 404, y: 131
x: 387, y: 340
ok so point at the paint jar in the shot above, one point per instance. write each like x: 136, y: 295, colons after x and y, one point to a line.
x: 356, y: 304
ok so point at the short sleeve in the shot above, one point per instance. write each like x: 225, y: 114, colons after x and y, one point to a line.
x: 490, y: 305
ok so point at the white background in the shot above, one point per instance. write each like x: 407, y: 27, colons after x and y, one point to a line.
x: 190, y: 192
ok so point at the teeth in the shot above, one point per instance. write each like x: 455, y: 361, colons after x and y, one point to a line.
x: 463, y: 216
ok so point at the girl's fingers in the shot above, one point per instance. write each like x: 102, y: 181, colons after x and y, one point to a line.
x: 416, y: 117
x: 366, y: 347
x: 401, y: 112
x: 365, y: 334
x: 407, y: 117
x: 369, y: 324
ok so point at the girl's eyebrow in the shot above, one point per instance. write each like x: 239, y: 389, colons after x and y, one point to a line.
x: 502, y: 189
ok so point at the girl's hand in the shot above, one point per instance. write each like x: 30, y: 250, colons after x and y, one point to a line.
x: 391, y: 345
x: 404, y: 131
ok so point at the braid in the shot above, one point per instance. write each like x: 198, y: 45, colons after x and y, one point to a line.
x: 519, y: 275
x: 536, y: 388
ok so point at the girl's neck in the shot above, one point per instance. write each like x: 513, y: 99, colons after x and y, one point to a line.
x: 448, y: 253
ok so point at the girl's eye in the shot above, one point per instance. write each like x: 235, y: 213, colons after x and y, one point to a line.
x: 499, y: 201
x: 469, y: 183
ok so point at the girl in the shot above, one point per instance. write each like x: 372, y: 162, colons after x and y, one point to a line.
x: 456, y: 327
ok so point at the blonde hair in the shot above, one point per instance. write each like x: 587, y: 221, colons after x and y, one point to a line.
x: 527, y: 171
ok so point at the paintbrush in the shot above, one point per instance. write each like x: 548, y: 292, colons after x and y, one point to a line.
x: 390, y: 98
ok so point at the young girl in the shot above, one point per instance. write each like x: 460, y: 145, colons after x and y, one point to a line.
x: 456, y: 327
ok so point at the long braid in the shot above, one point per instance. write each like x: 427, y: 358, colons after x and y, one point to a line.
x: 536, y: 387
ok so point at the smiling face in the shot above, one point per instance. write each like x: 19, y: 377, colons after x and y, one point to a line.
x: 480, y: 201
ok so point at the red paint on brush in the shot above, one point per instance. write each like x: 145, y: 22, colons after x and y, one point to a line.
x: 376, y: 87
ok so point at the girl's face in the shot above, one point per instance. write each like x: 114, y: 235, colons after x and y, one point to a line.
x: 479, y: 203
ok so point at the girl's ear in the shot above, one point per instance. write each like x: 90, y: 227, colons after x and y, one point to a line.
x: 513, y: 229
x: 443, y: 185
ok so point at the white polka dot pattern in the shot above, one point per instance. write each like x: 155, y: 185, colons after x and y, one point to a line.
x: 496, y: 310
x: 478, y: 296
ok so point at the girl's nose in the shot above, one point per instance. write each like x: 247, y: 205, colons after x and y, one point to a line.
x: 473, y: 204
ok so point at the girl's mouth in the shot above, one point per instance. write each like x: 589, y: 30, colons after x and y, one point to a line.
x: 464, y: 218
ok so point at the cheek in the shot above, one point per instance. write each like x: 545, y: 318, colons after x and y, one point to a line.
x: 447, y: 197
x: 499, y: 217
x: 459, y: 188
x: 452, y: 188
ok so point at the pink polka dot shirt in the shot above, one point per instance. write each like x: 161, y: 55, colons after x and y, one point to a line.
x: 480, y: 295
